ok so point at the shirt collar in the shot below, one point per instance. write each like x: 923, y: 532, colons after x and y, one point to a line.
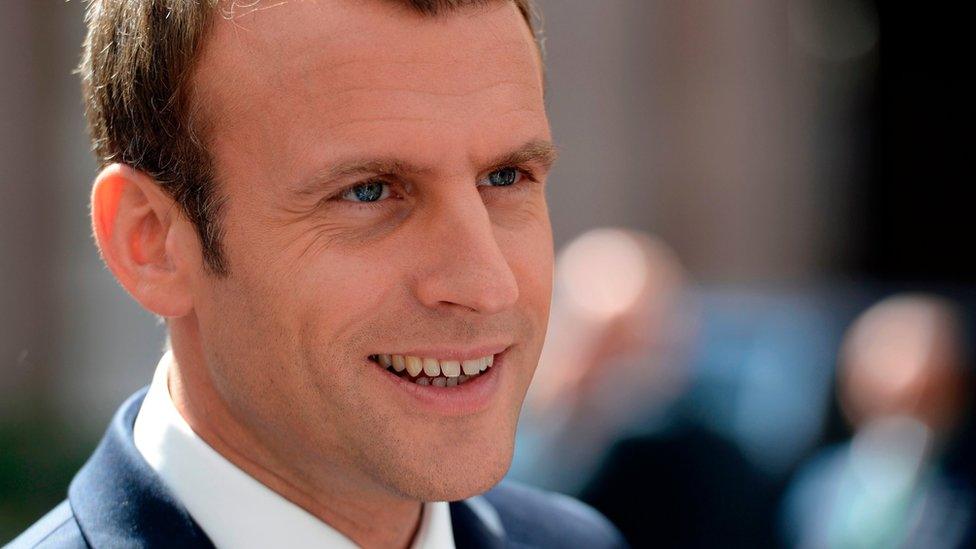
x: 233, y: 508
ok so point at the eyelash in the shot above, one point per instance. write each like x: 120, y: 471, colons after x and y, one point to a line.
x: 527, y: 177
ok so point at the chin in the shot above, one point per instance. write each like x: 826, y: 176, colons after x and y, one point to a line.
x: 465, y: 475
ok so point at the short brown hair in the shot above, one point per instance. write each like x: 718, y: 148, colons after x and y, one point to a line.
x: 137, y: 62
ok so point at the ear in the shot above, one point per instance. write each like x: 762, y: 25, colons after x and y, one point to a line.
x: 147, y: 244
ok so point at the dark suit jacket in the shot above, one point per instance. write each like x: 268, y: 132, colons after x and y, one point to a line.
x: 117, y: 500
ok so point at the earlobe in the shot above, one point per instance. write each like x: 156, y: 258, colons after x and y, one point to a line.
x: 134, y: 221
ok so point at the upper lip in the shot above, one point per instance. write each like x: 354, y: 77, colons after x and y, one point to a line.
x: 454, y: 352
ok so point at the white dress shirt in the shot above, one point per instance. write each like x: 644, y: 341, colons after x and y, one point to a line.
x: 233, y: 508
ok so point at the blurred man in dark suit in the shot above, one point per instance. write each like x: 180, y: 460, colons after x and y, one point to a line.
x: 604, y: 420
x: 905, y: 478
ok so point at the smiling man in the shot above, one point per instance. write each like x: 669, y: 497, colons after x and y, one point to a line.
x: 338, y: 207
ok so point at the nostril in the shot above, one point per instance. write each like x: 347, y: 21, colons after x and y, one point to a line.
x: 484, y: 292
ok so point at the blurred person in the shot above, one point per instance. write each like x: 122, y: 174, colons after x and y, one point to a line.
x: 611, y: 353
x: 338, y: 208
x: 903, y: 385
x: 602, y: 423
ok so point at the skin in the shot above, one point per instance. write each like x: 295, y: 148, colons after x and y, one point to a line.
x: 271, y: 360
x: 904, y: 356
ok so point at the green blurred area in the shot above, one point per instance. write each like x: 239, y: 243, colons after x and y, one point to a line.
x: 38, y: 458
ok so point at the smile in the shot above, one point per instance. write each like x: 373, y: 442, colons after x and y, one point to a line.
x: 432, y: 371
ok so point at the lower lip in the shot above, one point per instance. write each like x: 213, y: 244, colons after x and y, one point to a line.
x: 467, y: 398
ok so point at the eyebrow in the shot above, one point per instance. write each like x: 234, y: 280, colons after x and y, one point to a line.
x: 536, y: 151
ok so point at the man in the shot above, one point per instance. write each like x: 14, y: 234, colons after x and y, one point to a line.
x: 338, y: 208
x: 903, y: 385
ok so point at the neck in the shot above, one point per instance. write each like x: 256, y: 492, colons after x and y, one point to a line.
x: 344, y: 499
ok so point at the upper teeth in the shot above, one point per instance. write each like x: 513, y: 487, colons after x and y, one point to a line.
x: 432, y: 367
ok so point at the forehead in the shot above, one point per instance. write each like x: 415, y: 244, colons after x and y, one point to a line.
x: 339, y: 70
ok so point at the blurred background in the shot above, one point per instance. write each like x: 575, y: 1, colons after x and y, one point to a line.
x: 761, y: 333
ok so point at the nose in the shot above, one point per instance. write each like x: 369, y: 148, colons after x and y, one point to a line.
x: 462, y: 265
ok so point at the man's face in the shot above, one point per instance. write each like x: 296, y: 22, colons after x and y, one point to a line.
x: 364, y: 152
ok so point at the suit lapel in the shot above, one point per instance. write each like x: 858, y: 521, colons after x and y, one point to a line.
x: 476, y: 524
x: 120, y: 502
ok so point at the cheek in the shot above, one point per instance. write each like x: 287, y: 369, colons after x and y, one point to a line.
x: 284, y: 337
x: 528, y: 247
x: 529, y: 251
x: 337, y: 304
x: 313, y: 291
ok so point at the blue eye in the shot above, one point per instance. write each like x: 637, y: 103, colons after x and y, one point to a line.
x: 367, y: 192
x: 503, y: 177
